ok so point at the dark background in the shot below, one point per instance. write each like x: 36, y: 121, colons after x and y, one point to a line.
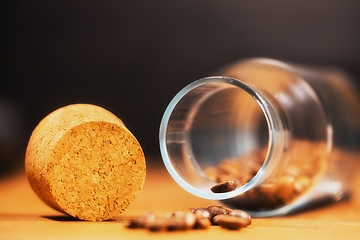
x: 132, y: 57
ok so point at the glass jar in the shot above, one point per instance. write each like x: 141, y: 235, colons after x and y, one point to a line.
x: 288, y: 135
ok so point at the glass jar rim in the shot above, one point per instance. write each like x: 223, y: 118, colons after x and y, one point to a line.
x: 275, y: 133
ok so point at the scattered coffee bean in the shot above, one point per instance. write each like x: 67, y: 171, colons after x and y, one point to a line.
x: 157, y: 224
x: 202, y: 222
x: 134, y: 224
x: 203, y: 212
x: 230, y: 222
x: 199, y: 218
x: 223, y: 187
x: 216, y: 218
x: 217, y: 210
x: 142, y: 221
x: 181, y: 220
x: 241, y: 214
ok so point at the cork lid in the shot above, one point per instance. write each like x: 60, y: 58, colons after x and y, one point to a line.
x: 83, y: 161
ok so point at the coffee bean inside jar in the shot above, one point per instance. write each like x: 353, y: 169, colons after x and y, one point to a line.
x: 278, y: 190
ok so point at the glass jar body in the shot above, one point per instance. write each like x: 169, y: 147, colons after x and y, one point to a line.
x: 288, y: 135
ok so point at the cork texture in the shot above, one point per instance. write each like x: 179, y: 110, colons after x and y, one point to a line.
x: 83, y: 161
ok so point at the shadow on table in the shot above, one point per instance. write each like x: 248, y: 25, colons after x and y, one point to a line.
x: 64, y: 218
x: 68, y: 218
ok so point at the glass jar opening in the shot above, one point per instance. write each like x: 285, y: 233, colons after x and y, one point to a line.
x: 212, y: 129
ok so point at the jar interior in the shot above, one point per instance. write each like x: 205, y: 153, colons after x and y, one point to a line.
x: 228, y: 125
x: 214, y: 124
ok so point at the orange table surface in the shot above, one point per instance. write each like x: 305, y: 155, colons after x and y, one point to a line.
x: 24, y: 216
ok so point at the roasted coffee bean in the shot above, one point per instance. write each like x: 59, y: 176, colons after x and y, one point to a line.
x: 285, y: 187
x: 241, y: 214
x: 301, y: 183
x: 203, y: 212
x: 217, y: 210
x: 189, y: 220
x: 202, y: 222
x: 293, y: 170
x: 223, y: 187
x: 157, y: 224
x: 142, y: 221
x: 134, y: 224
x: 289, y: 182
x: 215, y: 219
x: 267, y: 188
x: 181, y: 220
x: 198, y: 218
x: 224, y: 177
x: 230, y: 222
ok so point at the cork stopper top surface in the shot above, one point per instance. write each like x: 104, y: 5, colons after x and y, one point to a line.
x: 82, y: 160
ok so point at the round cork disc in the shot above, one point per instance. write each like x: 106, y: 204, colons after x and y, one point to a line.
x: 82, y: 160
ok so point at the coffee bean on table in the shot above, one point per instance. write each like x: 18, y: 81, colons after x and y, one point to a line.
x: 203, y: 212
x: 217, y: 210
x: 157, y: 224
x: 202, y: 222
x: 198, y: 218
x: 241, y: 214
x: 142, y: 221
x: 181, y: 220
x: 134, y: 224
x: 230, y: 222
x: 223, y: 187
x: 216, y: 218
